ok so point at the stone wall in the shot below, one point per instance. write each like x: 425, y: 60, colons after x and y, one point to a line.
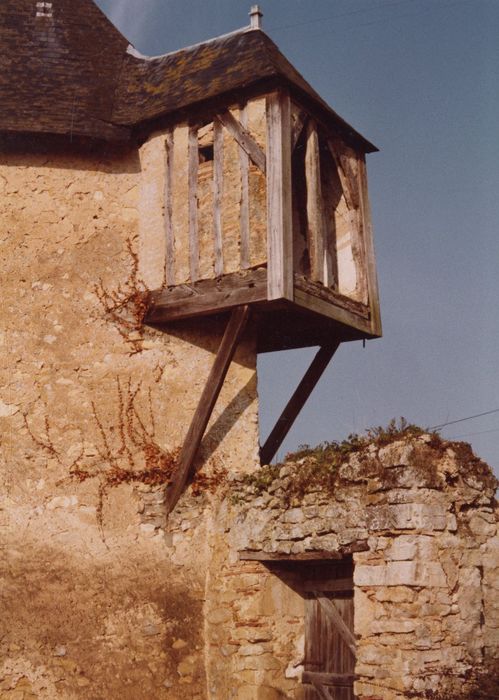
x: 425, y: 586
x: 95, y: 603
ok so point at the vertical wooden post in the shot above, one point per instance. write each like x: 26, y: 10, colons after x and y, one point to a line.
x: 218, y: 176
x: 279, y: 202
x: 230, y: 340
x: 315, y: 209
x: 193, y: 204
x: 370, y: 259
x: 168, y: 210
x: 244, y: 214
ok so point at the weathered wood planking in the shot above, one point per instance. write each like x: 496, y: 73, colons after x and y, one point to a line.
x: 207, y: 296
x: 276, y: 556
x: 370, y: 258
x: 332, y: 679
x: 325, y: 308
x: 279, y: 203
x: 296, y: 402
x: 180, y: 203
x: 167, y: 209
x: 218, y: 183
x: 320, y: 292
x: 244, y: 210
x: 230, y: 340
x: 329, y: 607
x: 315, y: 210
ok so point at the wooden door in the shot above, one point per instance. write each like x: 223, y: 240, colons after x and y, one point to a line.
x: 329, y: 638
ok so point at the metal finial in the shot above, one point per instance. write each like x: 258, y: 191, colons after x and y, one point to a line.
x: 256, y: 17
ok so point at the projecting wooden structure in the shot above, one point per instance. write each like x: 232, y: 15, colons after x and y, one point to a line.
x: 266, y: 204
x: 265, y: 213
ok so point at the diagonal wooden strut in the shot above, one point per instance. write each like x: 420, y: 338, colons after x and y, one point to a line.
x: 233, y: 332
x: 296, y: 402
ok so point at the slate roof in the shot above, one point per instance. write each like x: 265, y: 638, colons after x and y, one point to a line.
x: 65, y: 69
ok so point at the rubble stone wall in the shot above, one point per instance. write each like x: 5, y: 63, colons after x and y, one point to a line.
x: 94, y: 602
x: 425, y: 586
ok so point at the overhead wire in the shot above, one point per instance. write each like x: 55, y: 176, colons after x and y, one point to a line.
x: 342, y: 14
x: 462, y: 420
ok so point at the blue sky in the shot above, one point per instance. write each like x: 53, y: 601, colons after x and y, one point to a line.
x: 419, y: 78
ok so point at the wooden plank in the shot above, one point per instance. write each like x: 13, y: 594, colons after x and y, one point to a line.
x: 207, y: 296
x: 325, y: 308
x: 244, y: 139
x: 329, y: 585
x: 296, y: 402
x: 180, y: 203
x: 230, y: 340
x: 330, y: 609
x: 329, y: 295
x: 315, y: 210
x: 193, y: 204
x: 332, y: 679
x: 218, y: 174
x: 244, y: 211
x: 168, y: 210
x: 279, y: 197
x: 370, y: 259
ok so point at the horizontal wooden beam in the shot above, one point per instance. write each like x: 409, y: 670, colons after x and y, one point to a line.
x: 296, y: 402
x: 332, y: 679
x: 207, y: 296
x: 319, y: 291
x: 230, y: 340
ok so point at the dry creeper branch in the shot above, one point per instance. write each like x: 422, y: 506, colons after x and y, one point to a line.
x: 127, y: 304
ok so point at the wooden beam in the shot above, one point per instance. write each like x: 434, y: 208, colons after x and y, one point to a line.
x: 218, y: 175
x: 193, y: 204
x: 333, y: 679
x: 279, y: 194
x: 370, y: 259
x: 244, y: 215
x: 168, y: 210
x: 230, y: 340
x: 334, y: 616
x: 207, y: 296
x: 244, y: 139
x: 315, y: 209
x: 296, y: 402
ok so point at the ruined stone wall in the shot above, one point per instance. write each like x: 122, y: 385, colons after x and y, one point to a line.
x: 96, y: 601
x: 419, y: 516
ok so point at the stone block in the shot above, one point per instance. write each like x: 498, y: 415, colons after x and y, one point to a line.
x: 401, y: 573
x: 407, y: 517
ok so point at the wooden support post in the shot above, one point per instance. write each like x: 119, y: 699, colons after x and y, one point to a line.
x: 230, y: 340
x: 296, y: 402
x: 315, y: 211
x: 279, y: 198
